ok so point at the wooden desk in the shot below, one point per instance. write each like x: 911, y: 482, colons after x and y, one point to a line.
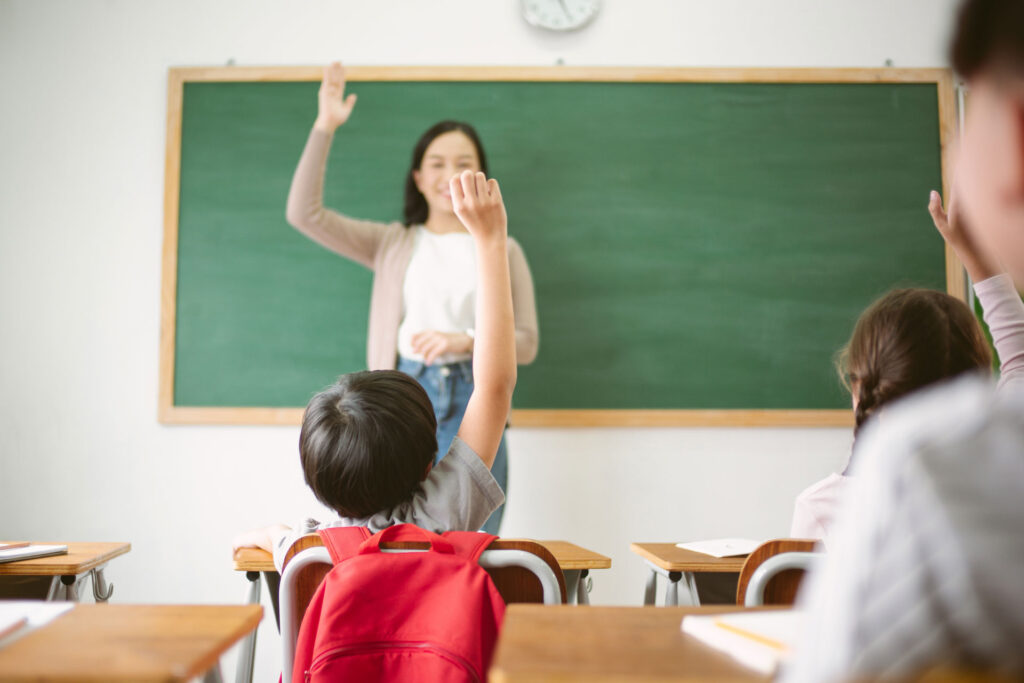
x: 676, y: 563
x: 129, y: 643
x: 67, y: 570
x: 575, y: 562
x: 604, y: 644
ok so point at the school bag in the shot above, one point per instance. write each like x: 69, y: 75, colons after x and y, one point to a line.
x: 425, y: 616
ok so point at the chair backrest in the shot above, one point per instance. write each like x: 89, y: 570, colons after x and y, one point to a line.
x: 522, y: 571
x: 779, y: 580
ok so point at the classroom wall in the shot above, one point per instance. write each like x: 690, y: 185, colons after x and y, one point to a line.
x: 82, y: 124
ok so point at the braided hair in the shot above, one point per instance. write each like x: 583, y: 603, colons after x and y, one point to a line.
x: 906, y: 340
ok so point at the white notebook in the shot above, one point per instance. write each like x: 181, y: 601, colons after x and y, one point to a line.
x: 722, y: 547
x: 761, y: 640
x: 18, y: 617
x: 30, y: 552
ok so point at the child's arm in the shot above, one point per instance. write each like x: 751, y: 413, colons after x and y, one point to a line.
x: 1004, y: 311
x: 477, y: 202
x: 959, y: 237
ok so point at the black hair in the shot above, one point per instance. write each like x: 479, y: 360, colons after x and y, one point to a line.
x: 989, y: 34
x: 366, y: 442
x: 416, y: 209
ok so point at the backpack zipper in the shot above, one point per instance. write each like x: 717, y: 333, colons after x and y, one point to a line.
x: 361, y: 648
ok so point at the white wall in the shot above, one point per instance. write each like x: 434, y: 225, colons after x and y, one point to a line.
x: 82, y: 121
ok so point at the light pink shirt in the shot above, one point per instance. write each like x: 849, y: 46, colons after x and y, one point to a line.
x: 815, y: 507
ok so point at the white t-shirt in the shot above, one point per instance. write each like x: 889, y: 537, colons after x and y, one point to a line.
x: 439, y: 292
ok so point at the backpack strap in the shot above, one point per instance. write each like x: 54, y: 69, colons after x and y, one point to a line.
x: 469, y: 544
x: 342, y: 542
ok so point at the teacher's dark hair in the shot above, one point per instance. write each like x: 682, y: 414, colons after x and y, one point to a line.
x: 415, y: 211
x: 367, y: 442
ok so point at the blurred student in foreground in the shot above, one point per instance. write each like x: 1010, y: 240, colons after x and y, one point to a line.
x: 926, y: 571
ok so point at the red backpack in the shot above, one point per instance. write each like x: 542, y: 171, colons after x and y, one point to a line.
x: 424, y: 616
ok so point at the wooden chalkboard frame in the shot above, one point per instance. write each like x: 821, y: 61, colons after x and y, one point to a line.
x: 168, y: 413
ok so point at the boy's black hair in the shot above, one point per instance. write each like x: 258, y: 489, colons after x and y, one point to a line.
x: 416, y: 210
x: 989, y: 34
x: 366, y: 442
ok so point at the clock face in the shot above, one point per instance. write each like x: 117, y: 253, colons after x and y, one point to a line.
x: 560, y: 15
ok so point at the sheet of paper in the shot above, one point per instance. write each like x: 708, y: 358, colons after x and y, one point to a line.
x: 760, y: 640
x: 722, y: 547
x: 34, y: 613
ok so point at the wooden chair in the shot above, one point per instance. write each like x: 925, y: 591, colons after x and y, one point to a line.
x: 522, y: 571
x: 773, y: 572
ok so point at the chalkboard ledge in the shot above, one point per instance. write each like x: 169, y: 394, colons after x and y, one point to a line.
x: 548, y: 418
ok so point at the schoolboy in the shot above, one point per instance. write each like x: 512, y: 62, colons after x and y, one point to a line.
x: 367, y: 442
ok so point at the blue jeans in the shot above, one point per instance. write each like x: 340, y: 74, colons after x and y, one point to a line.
x: 449, y: 388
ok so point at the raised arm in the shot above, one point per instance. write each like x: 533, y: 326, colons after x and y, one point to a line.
x: 952, y: 228
x: 478, y: 204
x: 1002, y: 305
x: 354, y: 239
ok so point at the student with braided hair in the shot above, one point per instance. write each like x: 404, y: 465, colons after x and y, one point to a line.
x: 911, y: 338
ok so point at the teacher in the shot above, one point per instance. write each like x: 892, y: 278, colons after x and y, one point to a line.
x: 424, y: 286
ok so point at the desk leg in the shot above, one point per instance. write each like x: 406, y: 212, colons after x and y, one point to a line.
x: 247, y: 654
x: 577, y: 586
x: 583, y: 588
x: 672, y: 590
x: 213, y: 675
x: 572, y: 580
x: 70, y: 583
x: 691, y: 584
x: 651, y: 587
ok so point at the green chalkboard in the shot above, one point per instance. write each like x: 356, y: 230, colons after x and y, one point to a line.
x: 694, y: 245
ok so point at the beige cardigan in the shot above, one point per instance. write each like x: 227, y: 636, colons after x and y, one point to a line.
x: 386, y: 248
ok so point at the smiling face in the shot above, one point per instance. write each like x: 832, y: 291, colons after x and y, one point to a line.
x: 446, y: 156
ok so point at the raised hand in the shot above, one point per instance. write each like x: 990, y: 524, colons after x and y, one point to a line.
x: 478, y: 204
x: 951, y: 226
x: 334, y: 107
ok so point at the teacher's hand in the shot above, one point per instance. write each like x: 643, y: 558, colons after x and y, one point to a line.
x: 430, y: 344
x: 334, y: 107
